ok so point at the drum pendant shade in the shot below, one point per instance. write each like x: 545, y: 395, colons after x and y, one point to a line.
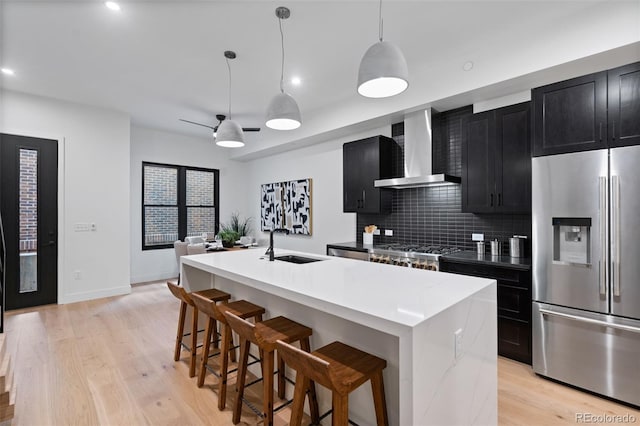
x: 283, y: 113
x: 383, y: 71
x: 230, y: 135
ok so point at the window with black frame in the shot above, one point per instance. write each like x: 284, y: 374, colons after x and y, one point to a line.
x: 177, y: 202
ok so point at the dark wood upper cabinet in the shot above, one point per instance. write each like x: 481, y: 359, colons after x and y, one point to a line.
x: 513, y: 157
x: 624, y: 106
x: 570, y: 115
x: 594, y: 111
x: 478, y: 163
x: 365, y: 161
x: 496, y: 161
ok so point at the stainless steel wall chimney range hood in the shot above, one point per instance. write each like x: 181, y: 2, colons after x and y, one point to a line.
x: 417, y: 156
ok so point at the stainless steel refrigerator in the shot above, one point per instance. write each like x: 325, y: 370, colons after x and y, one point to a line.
x: 586, y: 270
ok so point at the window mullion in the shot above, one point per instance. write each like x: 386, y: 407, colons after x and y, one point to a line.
x: 182, y: 202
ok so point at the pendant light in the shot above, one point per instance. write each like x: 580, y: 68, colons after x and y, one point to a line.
x: 283, y: 112
x: 383, y: 70
x: 229, y: 133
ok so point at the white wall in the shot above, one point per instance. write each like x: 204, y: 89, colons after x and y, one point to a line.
x: 93, y: 188
x: 170, y: 148
x: 323, y: 164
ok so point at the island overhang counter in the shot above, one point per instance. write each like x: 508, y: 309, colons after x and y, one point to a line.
x: 437, y: 331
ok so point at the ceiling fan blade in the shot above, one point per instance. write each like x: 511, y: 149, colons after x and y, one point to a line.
x: 198, y: 124
x: 251, y: 129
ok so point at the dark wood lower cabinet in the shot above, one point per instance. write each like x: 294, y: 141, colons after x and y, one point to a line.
x: 514, y: 339
x: 514, y: 304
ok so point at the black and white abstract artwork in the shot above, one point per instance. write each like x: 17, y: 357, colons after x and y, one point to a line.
x: 287, y: 205
x: 271, y: 210
x: 297, y: 206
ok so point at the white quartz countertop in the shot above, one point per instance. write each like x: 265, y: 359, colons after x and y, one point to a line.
x: 388, y: 297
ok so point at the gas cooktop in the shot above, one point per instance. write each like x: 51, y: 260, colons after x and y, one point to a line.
x: 416, y: 248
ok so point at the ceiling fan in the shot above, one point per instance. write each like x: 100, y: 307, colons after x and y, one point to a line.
x: 221, y: 118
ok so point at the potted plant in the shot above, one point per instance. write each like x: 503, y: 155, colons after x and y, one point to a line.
x: 231, y: 231
x: 241, y: 226
x: 228, y: 237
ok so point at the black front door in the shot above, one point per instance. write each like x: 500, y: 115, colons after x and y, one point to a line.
x: 29, y: 208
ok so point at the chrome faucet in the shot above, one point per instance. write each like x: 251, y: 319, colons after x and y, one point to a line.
x: 270, y: 249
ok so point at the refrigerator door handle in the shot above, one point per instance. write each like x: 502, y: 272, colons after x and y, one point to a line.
x: 590, y: 320
x: 602, y: 277
x: 616, y: 237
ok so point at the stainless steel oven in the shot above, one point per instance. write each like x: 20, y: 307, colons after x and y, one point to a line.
x: 350, y: 254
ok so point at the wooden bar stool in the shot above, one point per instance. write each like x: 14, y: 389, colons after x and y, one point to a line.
x: 242, y: 309
x: 340, y: 368
x: 264, y: 335
x: 213, y: 295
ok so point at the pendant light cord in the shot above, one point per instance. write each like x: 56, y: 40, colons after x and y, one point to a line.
x: 380, y: 21
x: 229, y: 69
x: 282, y: 63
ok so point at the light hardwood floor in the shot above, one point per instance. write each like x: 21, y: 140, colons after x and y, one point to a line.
x: 110, y: 362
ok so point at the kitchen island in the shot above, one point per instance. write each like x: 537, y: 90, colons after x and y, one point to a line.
x: 437, y: 331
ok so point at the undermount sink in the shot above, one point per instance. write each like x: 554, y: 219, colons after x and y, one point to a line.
x: 292, y: 258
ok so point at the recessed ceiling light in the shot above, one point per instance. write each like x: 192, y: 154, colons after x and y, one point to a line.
x: 7, y: 71
x: 467, y: 66
x: 112, y: 5
x: 296, y: 81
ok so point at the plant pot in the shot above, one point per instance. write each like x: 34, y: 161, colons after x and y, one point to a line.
x: 227, y: 244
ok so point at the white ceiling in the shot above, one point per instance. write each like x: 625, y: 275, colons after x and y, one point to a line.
x: 163, y: 60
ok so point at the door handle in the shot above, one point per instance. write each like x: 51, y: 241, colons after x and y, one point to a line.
x: 499, y: 199
x: 615, y: 229
x: 590, y: 320
x: 491, y: 200
x: 602, y: 278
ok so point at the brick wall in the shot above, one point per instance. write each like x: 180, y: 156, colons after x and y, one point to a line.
x: 28, y: 200
x: 160, y: 187
x: 200, y: 187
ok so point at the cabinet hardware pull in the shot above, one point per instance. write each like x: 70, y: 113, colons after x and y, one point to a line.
x: 499, y: 199
x: 601, y: 131
x: 491, y: 202
x: 613, y: 131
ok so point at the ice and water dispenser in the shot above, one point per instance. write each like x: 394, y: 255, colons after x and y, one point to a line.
x: 572, y: 241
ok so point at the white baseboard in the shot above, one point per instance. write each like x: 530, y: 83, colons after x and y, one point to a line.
x: 90, y: 295
x: 159, y: 276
